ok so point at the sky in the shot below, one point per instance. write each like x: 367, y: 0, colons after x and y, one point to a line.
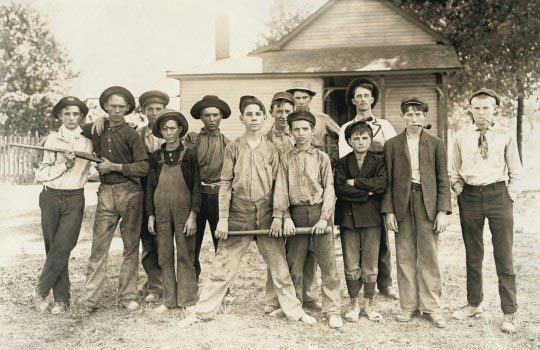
x: 134, y: 42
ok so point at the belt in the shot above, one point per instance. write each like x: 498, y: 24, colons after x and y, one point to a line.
x: 416, y: 187
x: 491, y: 186
x: 55, y: 190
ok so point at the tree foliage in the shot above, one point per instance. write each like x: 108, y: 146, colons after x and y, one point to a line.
x: 34, y: 71
x: 497, y: 42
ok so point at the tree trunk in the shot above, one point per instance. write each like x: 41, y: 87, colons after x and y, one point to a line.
x: 519, y: 125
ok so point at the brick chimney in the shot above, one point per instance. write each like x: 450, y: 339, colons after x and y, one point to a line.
x: 222, y: 38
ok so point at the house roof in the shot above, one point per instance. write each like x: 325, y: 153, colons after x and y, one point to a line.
x: 334, y: 60
x: 278, y: 45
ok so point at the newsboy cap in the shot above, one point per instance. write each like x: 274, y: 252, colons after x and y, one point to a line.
x: 154, y: 96
x: 302, y: 85
x: 69, y: 101
x: 117, y: 90
x: 301, y: 115
x: 283, y: 95
x: 250, y: 100
x: 489, y: 92
x: 414, y: 101
x: 166, y: 115
x: 366, y: 83
x: 210, y: 101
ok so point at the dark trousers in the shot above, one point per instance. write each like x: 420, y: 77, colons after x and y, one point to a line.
x: 475, y: 205
x: 384, y: 276
x: 61, y: 219
x: 149, y: 258
x: 209, y: 212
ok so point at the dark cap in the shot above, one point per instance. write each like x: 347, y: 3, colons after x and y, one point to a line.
x: 354, y: 126
x: 210, y: 101
x: 283, y: 95
x: 489, y: 92
x: 250, y: 100
x: 117, y: 90
x: 69, y: 101
x: 414, y: 101
x: 170, y: 114
x: 366, y: 83
x: 301, y: 115
x: 154, y: 96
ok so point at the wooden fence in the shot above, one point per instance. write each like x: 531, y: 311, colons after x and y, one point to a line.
x: 17, y: 164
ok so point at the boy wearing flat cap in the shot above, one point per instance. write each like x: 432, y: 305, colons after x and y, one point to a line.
x: 173, y: 199
x: 486, y: 177
x: 125, y: 161
x: 416, y: 203
x: 245, y: 203
x: 305, y: 197
x: 280, y: 134
x: 61, y: 202
x: 361, y: 96
x: 325, y: 128
x: 209, y: 146
x: 152, y: 103
x: 360, y: 181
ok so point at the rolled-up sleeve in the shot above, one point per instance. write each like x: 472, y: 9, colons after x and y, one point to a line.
x: 329, y: 194
x: 227, y: 175
x: 139, y: 167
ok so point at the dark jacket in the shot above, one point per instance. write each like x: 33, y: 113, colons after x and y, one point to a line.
x: 372, y: 177
x: 433, y: 175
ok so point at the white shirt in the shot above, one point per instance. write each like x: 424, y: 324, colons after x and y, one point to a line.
x: 412, y: 144
x: 502, y: 163
x: 382, y: 132
x: 53, y: 172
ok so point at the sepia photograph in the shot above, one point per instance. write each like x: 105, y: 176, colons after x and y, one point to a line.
x: 269, y: 174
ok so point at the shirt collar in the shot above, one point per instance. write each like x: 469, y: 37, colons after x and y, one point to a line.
x: 67, y: 134
x: 117, y: 127
x: 205, y: 131
x: 179, y: 148
x: 278, y: 132
x: 310, y: 150
x: 147, y: 131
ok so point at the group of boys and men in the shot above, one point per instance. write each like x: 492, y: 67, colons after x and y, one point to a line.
x: 163, y: 192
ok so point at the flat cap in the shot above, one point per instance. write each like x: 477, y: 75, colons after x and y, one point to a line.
x: 302, y: 85
x: 154, y: 96
x: 489, y: 92
x: 210, y: 101
x: 69, y: 101
x: 117, y: 90
x: 351, y: 127
x: 301, y: 115
x: 366, y: 83
x: 170, y: 114
x: 250, y: 100
x: 414, y: 101
x: 283, y: 95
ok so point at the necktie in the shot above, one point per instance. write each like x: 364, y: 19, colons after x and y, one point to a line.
x: 482, y: 144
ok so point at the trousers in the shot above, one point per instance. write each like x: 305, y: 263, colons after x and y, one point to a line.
x: 475, y: 205
x: 209, y: 212
x: 61, y: 219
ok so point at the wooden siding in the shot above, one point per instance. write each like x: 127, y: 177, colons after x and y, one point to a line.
x: 230, y: 91
x: 352, y: 23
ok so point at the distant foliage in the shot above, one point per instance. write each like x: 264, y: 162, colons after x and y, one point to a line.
x: 34, y: 71
x: 278, y: 27
x: 497, y: 42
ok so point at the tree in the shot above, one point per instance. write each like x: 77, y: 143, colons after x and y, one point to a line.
x: 34, y: 71
x: 497, y: 42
